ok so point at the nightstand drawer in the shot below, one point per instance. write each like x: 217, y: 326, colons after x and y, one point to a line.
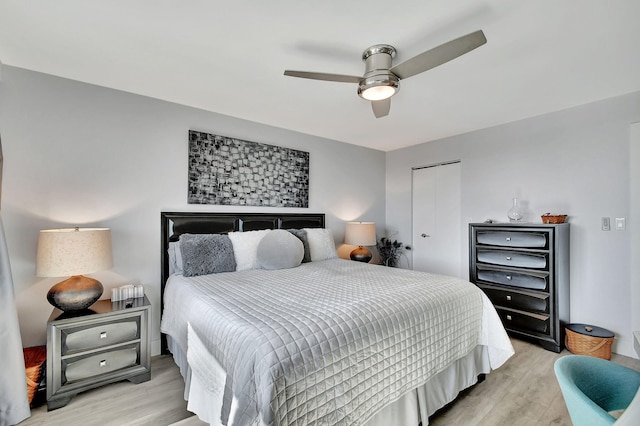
x: 521, y: 279
x: 512, y: 239
x: 100, y: 335
x: 83, y: 368
x: 513, y: 259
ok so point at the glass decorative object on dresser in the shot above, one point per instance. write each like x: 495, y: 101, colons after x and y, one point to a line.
x: 524, y: 270
x: 515, y: 213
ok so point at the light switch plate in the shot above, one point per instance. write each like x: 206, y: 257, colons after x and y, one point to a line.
x: 606, y: 224
x: 620, y: 223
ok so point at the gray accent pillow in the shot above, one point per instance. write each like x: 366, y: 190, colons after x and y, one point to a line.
x: 280, y: 249
x: 204, y: 254
x: 302, y: 236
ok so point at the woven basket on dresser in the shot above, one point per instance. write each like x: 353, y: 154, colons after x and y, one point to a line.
x: 584, y: 343
x: 553, y: 218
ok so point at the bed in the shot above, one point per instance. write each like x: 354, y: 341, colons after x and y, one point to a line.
x: 289, y: 334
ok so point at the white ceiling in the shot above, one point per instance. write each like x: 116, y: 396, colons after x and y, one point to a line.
x: 229, y: 57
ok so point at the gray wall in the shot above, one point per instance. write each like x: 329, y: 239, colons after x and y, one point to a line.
x: 80, y: 155
x: 634, y: 229
x: 575, y: 162
x: 77, y: 154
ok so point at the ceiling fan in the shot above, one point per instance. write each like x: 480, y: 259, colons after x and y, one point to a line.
x: 381, y: 81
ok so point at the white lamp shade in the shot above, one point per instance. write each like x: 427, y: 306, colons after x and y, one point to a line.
x: 74, y: 251
x: 360, y: 233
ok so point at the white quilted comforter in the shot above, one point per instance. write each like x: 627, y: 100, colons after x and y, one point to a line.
x: 328, y: 342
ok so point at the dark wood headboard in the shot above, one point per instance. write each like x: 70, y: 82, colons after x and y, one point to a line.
x: 174, y: 224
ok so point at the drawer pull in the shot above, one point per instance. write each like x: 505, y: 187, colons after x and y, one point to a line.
x: 103, y: 335
x: 508, y: 277
x: 103, y: 363
x: 508, y: 297
x: 508, y: 238
x: 508, y: 257
x: 509, y: 317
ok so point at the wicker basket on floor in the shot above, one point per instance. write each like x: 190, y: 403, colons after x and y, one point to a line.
x: 584, y: 343
x: 34, y: 362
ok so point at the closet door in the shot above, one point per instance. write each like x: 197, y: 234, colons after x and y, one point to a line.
x: 436, y: 219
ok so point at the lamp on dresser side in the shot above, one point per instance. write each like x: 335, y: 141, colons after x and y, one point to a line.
x: 74, y: 252
x: 360, y: 234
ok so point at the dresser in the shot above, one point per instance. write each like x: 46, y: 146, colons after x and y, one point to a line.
x: 524, y: 270
x: 106, y: 343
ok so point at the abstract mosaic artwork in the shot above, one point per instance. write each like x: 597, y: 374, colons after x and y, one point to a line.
x: 229, y: 171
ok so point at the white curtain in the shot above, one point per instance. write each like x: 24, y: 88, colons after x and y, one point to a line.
x: 14, y: 404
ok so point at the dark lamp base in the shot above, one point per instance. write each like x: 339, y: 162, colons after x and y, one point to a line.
x: 75, y: 293
x: 361, y: 254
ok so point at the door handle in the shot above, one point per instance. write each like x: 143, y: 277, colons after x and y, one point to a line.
x: 424, y: 235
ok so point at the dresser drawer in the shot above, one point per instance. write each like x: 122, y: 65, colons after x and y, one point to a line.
x: 512, y: 239
x: 521, y: 300
x: 521, y: 279
x: 76, y: 339
x: 525, y: 321
x: 513, y: 258
x: 106, y: 362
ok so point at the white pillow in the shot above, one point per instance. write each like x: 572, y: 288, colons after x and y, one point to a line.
x: 280, y: 249
x: 175, y: 258
x: 245, y: 248
x: 321, y: 244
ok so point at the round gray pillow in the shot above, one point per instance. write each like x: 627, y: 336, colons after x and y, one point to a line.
x: 280, y: 249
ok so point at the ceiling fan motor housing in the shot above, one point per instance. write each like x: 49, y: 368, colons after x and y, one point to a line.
x: 377, y: 61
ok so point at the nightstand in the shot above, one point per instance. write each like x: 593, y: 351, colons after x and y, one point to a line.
x: 106, y: 343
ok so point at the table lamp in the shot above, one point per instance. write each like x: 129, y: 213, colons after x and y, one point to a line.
x: 360, y: 234
x: 74, y: 251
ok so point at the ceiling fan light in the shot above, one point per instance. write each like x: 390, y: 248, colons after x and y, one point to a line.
x: 376, y: 89
x: 378, y: 93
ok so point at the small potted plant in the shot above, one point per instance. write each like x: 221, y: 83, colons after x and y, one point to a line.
x: 390, y: 251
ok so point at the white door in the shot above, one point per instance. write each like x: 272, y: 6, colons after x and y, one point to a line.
x: 436, y: 219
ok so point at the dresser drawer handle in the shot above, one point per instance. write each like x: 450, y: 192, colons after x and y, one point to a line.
x: 508, y: 297
x: 103, y: 335
x: 508, y: 238
x: 509, y: 277
x: 508, y: 257
x: 509, y: 317
x: 103, y: 363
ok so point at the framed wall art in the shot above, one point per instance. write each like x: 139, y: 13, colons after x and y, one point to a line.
x: 230, y: 171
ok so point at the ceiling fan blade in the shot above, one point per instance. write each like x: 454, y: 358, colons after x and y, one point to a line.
x: 381, y: 108
x: 439, y: 55
x: 324, y: 76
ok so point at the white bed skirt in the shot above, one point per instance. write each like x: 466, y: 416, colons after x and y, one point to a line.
x: 412, y: 408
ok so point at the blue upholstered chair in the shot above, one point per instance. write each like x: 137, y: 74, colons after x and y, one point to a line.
x: 593, y: 387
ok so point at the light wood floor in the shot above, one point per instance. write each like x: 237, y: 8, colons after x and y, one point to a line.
x: 524, y: 391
